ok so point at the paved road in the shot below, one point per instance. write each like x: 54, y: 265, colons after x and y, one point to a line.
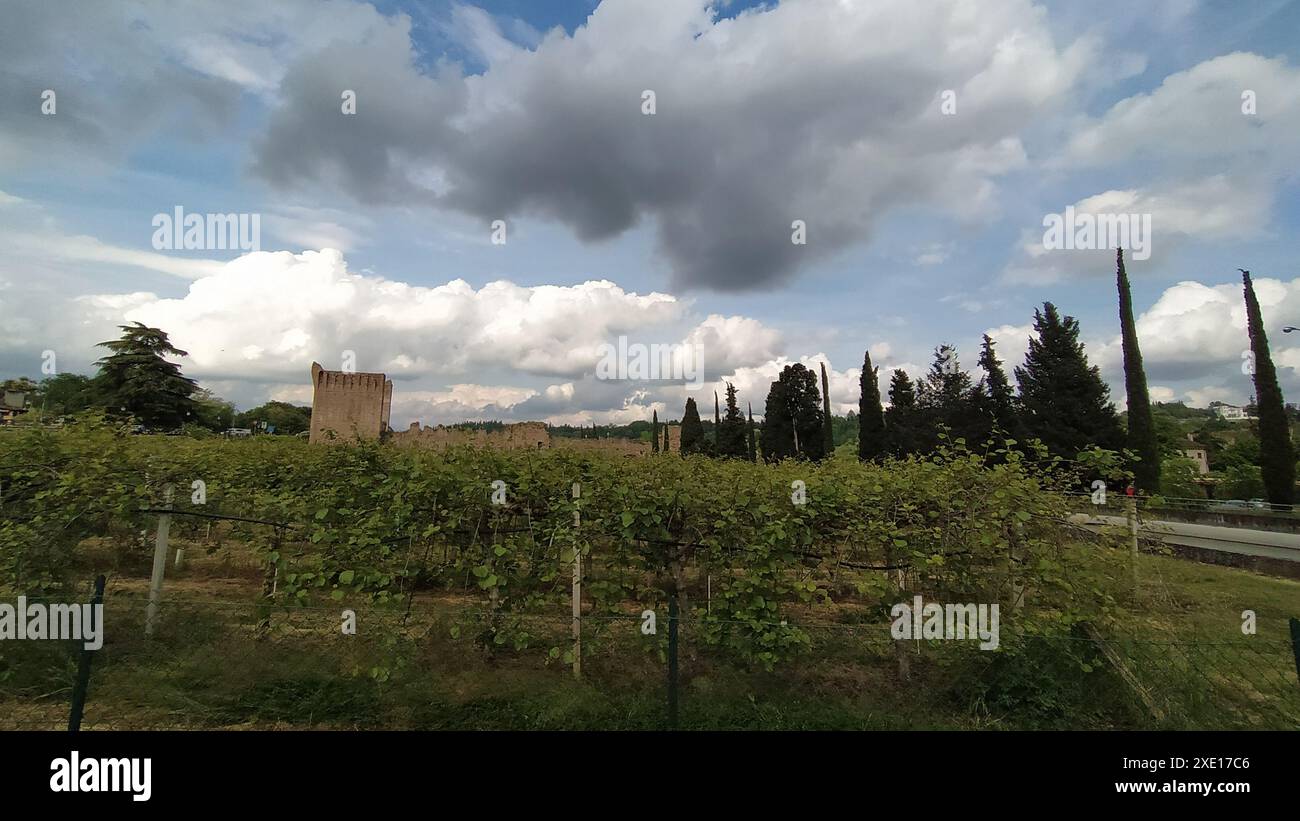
x: 1266, y: 543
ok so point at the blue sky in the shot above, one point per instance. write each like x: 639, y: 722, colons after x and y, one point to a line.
x: 923, y: 226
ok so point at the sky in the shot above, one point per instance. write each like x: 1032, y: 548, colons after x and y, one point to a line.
x: 520, y: 183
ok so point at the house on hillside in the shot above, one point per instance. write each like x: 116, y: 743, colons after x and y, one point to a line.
x: 1231, y: 413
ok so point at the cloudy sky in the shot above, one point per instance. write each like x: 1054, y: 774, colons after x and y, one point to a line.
x: 921, y: 144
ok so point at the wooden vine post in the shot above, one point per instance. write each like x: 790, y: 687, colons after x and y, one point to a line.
x: 577, y: 583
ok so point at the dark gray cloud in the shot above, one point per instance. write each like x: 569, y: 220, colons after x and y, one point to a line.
x: 800, y: 112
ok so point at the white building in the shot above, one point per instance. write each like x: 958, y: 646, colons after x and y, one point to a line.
x: 1231, y: 412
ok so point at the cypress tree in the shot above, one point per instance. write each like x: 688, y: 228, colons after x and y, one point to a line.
x: 753, y: 450
x: 731, y: 429
x: 667, y: 441
x: 1276, y: 456
x: 654, y: 431
x: 1141, y: 426
x: 692, y: 429
x: 717, y: 424
x: 871, y: 416
x: 1064, y: 400
x: 828, y: 446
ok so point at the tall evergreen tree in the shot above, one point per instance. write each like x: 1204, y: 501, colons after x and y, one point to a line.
x: 871, y: 416
x: 792, y: 423
x: 692, y: 429
x: 1141, y: 426
x: 903, y: 417
x: 731, y: 429
x: 778, y: 427
x: 752, y: 445
x: 1002, y: 400
x: 1276, y: 456
x: 654, y: 431
x: 945, y: 399
x: 667, y: 440
x: 1064, y: 401
x: 136, y: 380
x: 828, y: 446
x: 717, y: 424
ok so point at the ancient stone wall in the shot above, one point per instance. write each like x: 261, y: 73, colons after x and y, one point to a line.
x: 531, y: 435
x: 349, y: 404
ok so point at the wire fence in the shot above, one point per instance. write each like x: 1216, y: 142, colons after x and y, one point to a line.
x: 212, y: 663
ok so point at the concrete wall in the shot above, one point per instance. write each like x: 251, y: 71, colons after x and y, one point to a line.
x: 349, y: 404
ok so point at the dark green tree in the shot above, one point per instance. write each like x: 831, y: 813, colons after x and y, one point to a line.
x: 667, y: 441
x: 692, y: 429
x: 1064, y: 401
x: 1276, y: 455
x: 828, y: 441
x: 778, y: 426
x: 944, y: 399
x: 135, y: 380
x: 654, y: 431
x: 1001, y: 398
x: 792, y: 423
x: 283, y: 417
x: 751, y: 443
x: 872, y: 443
x: 67, y: 393
x: 903, y: 418
x: 1141, y: 427
x: 731, y: 428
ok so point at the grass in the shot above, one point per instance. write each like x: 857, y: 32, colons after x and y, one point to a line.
x: 210, y: 666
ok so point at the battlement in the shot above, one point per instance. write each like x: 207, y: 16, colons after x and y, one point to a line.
x: 350, y: 405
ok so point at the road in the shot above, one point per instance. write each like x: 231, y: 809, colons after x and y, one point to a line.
x: 1264, y: 543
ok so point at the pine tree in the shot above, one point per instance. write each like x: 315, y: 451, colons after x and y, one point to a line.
x: 828, y: 446
x: 871, y: 416
x: 1276, y: 456
x: 135, y: 380
x: 654, y: 431
x: 1064, y: 400
x: 692, y: 429
x: 945, y: 400
x: 903, y: 417
x: 753, y: 449
x: 1141, y: 426
x: 1002, y: 400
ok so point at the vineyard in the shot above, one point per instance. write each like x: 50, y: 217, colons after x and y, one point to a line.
x: 460, y: 569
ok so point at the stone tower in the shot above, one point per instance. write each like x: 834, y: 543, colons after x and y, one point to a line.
x: 349, y: 404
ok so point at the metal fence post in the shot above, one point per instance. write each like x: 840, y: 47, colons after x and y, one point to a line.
x: 159, y: 561
x: 577, y: 584
x: 1295, y: 644
x: 672, y: 659
x: 83, y: 665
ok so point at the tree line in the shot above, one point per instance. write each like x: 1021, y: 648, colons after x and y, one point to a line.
x: 1059, y: 399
